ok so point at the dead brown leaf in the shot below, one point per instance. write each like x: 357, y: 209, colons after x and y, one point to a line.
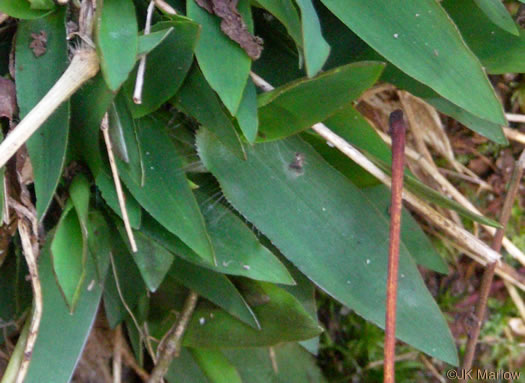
x: 233, y: 25
x: 7, y: 98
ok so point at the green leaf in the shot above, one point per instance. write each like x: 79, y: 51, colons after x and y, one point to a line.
x: 79, y: 191
x: 184, y: 369
x: 415, y: 240
x: 215, y: 287
x: 247, y: 113
x: 302, y: 103
x: 316, y: 49
x: 223, y: 62
x: 165, y: 71
x: 116, y: 39
x: 498, y: 14
x: 420, y: 39
x: 127, y: 285
x: 60, y: 330
x: 88, y: 107
x: 147, y: 43
x: 69, y: 252
x: 328, y: 229
x: 21, y: 9
x: 499, y: 51
x: 237, y: 249
x: 107, y: 187
x: 34, y: 77
x: 100, y: 241
x: 123, y: 133
x: 166, y: 194
x: 291, y: 364
x: 281, y: 316
x: 153, y: 260
x: 216, y: 366
x: 287, y: 14
x: 195, y: 93
x: 42, y: 4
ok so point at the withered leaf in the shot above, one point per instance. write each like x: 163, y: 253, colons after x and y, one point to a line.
x: 38, y: 43
x: 233, y: 25
x: 7, y: 98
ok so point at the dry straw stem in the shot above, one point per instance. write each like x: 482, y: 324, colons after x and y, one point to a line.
x: 449, y: 227
x: 514, y: 135
x: 30, y: 256
x: 488, y: 274
x: 165, y: 7
x: 85, y: 64
x: 172, y: 344
x: 412, y: 155
x: 118, y: 186
x: 139, y: 83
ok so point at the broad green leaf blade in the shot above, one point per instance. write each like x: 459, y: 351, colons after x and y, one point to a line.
x: 34, y: 77
x: 123, y: 133
x: 64, y: 333
x: 116, y: 39
x: 415, y: 240
x: 79, y: 191
x: 153, y: 260
x: 327, y: 228
x: 21, y: 9
x: 316, y: 49
x: 100, y: 241
x: 69, y: 252
x: 166, y: 193
x: 420, y: 39
x: 184, y: 369
x: 147, y: 43
x: 215, y: 287
x: 499, y: 51
x: 165, y: 70
x: 125, y: 276
x: 491, y: 130
x: 302, y: 103
x: 42, y: 4
x: 287, y: 14
x: 498, y: 14
x: 223, y: 62
x: 247, y: 113
x: 88, y: 107
x: 294, y: 365
x: 237, y: 249
x: 195, y: 93
x: 216, y: 366
x: 106, y: 186
x: 281, y: 316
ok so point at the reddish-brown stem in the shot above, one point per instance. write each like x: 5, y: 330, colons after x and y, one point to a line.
x: 488, y: 274
x: 397, y: 131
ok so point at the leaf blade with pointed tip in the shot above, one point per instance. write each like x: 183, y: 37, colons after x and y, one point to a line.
x: 322, y: 223
x: 34, y: 77
x: 166, y: 193
x: 420, y: 39
x: 116, y: 40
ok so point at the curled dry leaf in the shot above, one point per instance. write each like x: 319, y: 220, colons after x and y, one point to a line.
x: 7, y: 98
x: 233, y: 25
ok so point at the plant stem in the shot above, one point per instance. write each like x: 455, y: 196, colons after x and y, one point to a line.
x: 488, y: 274
x: 84, y: 65
x: 172, y: 345
x: 397, y: 131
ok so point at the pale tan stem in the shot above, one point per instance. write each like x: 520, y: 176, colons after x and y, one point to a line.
x: 449, y: 227
x: 514, y: 135
x: 30, y: 256
x: 139, y: 83
x: 85, y: 65
x: 412, y: 155
x: 165, y: 7
x: 118, y: 186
